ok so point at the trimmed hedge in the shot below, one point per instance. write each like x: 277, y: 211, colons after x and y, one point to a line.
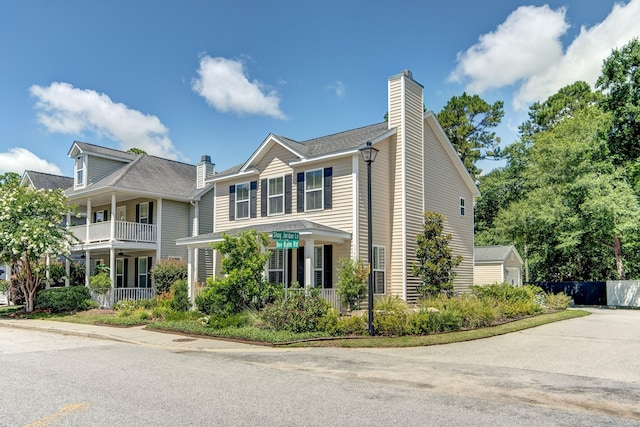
x: 72, y: 298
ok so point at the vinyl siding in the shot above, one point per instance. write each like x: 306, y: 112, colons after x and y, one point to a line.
x: 487, y: 274
x: 443, y: 188
x: 174, y: 226
x: 98, y: 168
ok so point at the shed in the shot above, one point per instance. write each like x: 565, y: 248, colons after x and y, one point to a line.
x: 497, y: 264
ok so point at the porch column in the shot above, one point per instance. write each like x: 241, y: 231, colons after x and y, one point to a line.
x: 67, y: 263
x: 87, y: 267
x: 112, y: 266
x: 308, y: 263
x: 190, y: 274
x: 113, y: 218
x: 88, y: 221
x: 158, y: 217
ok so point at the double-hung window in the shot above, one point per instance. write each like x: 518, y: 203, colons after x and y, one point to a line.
x: 80, y: 171
x: 379, y: 269
x: 143, y: 217
x: 276, y: 196
x: 242, y: 200
x: 462, y: 209
x: 276, y: 266
x: 120, y: 280
x: 143, y: 272
x: 313, y: 190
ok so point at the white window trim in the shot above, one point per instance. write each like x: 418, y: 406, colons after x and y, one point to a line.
x: 80, y: 159
x: 376, y: 264
x: 121, y: 209
x: 463, y: 208
x: 274, y: 196
x: 146, y: 272
x: 120, y: 260
x: 321, y: 189
x: 277, y: 268
x: 247, y: 200
x: 140, y: 217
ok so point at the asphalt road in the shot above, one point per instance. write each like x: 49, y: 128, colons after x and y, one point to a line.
x: 581, y: 372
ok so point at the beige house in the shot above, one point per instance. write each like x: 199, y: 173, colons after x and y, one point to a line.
x: 497, y: 264
x: 318, y: 189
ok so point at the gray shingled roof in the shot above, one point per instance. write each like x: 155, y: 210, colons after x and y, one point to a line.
x: 491, y: 253
x: 47, y: 181
x: 335, y: 143
x: 105, y: 151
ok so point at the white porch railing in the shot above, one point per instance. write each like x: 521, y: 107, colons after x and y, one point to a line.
x: 124, y: 230
x: 329, y: 295
x: 132, y: 294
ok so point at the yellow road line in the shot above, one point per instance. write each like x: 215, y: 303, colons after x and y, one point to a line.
x: 64, y: 411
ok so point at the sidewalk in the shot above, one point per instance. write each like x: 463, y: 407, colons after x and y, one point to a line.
x: 133, y: 335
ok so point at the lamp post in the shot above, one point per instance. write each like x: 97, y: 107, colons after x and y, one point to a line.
x: 369, y: 155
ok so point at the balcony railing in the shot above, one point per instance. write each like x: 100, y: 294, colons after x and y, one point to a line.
x: 124, y: 231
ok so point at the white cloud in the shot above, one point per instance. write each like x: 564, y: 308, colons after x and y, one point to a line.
x: 66, y: 109
x: 583, y: 58
x: 526, y: 50
x: 19, y: 159
x: 338, y: 88
x: 525, y: 44
x: 225, y: 86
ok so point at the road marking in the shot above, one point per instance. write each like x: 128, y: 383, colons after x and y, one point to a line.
x: 62, y: 412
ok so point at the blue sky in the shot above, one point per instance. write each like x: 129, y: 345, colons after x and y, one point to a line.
x: 180, y: 79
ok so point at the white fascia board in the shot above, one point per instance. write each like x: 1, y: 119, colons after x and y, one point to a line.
x: 249, y: 172
x: 263, y: 148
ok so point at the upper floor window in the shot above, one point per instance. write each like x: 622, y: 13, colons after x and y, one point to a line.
x: 121, y: 213
x: 242, y: 200
x: 143, y: 215
x: 276, y: 196
x: 462, y: 209
x: 313, y: 190
x: 80, y: 170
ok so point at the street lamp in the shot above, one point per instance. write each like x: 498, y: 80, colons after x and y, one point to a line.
x: 369, y: 155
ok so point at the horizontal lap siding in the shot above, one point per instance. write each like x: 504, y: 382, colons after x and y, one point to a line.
x: 98, y: 168
x: 396, y: 252
x: 175, y: 225
x: 443, y: 188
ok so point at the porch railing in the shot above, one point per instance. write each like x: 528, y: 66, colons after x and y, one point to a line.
x: 124, y: 230
x: 329, y: 295
x: 132, y: 294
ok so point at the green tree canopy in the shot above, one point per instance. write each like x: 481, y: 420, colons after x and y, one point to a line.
x: 468, y: 121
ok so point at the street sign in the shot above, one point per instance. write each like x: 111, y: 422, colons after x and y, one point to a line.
x: 286, y: 239
x: 285, y: 235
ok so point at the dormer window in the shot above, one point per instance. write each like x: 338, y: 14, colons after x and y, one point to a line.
x: 80, y: 171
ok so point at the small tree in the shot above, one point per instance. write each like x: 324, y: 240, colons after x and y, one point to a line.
x: 101, y: 285
x: 352, y: 282
x: 166, y: 272
x: 435, y: 258
x: 30, y: 228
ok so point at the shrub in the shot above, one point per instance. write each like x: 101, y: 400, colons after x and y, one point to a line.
x: 166, y: 272
x: 101, y: 285
x: 352, y: 325
x: 180, y: 299
x: 391, y: 316
x: 297, y: 313
x: 512, y: 301
x: 236, y: 320
x: 220, y: 297
x: 352, y: 282
x: 557, y: 301
x: 73, y: 298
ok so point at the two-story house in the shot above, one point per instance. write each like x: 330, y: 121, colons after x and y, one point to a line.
x: 318, y: 189
x: 133, y: 208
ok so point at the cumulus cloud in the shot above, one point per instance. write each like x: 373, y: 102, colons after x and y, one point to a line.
x: 19, y: 159
x: 526, y: 50
x: 338, y: 88
x: 69, y: 110
x: 223, y: 83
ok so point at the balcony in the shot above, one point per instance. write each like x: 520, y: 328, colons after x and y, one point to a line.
x: 124, y: 231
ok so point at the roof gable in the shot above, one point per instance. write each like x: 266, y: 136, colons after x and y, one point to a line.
x: 494, y: 253
x: 79, y: 147
x: 45, y: 181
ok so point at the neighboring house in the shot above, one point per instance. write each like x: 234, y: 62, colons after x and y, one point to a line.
x: 497, y: 264
x: 133, y: 208
x: 318, y: 188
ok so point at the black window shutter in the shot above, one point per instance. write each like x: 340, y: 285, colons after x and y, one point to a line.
x: 253, y: 199
x: 289, y: 265
x: 95, y: 216
x: 232, y: 202
x: 150, y: 213
x: 137, y: 214
x: 125, y: 275
x: 136, y: 279
x: 263, y: 197
x: 328, y: 266
x: 328, y: 172
x: 287, y: 194
x: 301, y: 192
x: 300, y: 265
